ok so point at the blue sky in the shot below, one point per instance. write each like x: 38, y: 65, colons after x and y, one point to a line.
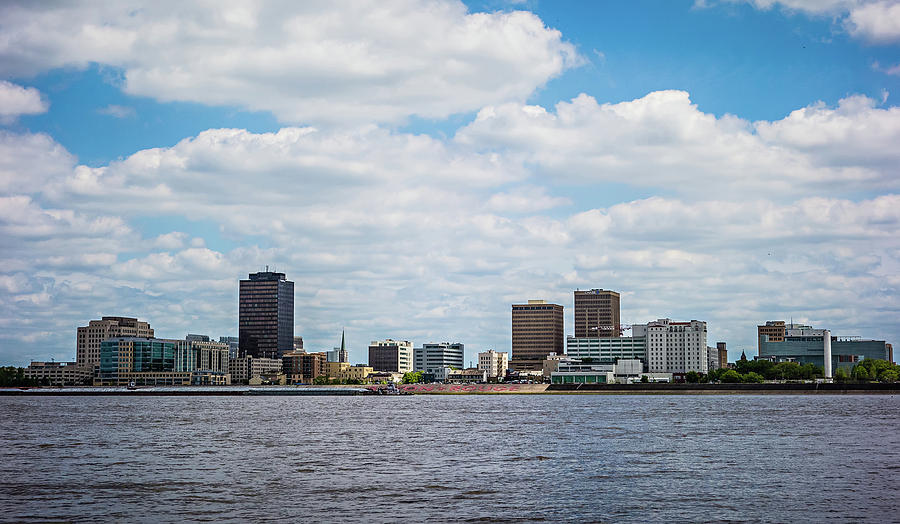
x: 416, y: 168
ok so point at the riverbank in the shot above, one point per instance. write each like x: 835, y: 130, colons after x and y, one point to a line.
x: 474, y: 389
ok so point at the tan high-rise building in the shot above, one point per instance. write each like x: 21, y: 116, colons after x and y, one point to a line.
x: 89, y: 337
x: 774, y: 329
x: 537, y: 330
x: 597, y: 314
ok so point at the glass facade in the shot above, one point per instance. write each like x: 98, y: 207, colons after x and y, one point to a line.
x: 844, y: 352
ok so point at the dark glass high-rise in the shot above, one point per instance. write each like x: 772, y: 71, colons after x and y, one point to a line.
x: 266, y: 315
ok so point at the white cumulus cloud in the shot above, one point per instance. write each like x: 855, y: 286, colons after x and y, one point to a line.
x: 306, y: 62
x: 16, y: 100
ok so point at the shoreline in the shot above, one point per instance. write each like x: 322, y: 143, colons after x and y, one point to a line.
x: 473, y: 389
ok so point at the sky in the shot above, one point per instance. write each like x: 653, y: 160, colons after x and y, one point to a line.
x: 417, y: 166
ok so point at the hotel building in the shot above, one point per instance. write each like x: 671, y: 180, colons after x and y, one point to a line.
x: 674, y: 347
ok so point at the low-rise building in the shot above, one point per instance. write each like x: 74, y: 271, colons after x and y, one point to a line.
x: 60, y: 373
x: 140, y: 360
x: 301, y: 367
x: 805, y: 344
x: 494, y: 363
x: 607, y: 350
x: 466, y: 376
x: 243, y: 369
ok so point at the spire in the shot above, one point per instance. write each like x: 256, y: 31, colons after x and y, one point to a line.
x: 343, y: 348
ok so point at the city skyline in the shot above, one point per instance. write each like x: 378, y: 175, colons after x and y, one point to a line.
x: 732, y: 162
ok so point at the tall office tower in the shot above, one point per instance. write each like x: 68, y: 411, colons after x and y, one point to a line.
x: 597, y: 313
x: 391, y: 355
x: 674, y: 347
x: 88, y: 339
x: 537, y: 330
x: 266, y: 315
x: 433, y: 356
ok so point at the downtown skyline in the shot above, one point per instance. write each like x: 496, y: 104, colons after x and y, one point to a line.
x: 417, y: 167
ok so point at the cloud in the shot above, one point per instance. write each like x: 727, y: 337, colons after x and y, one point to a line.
x: 663, y: 141
x: 877, y: 21
x: 383, y: 232
x: 16, y: 100
x: 118, y: 111
x: 304, y: 62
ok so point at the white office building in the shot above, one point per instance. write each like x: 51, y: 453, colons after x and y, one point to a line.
x: 433, y: 356
x: 674, y: 347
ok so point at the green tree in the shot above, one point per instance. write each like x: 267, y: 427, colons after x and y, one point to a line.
x: 840, y: 376
x: 645, y: 379
x: 753, y: 378
x: 321, y: 380
x: 413, y: 377
x: 861, y: 373
x: 692, y: 377
x: 889, y: 375
x: 730, y: 377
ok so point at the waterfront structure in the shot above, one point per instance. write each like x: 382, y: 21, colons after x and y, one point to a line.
x: 537, y: 331
x: 60, y: 373
x: 805, y: 344
x: 494, y: 363
x: 89, y: 338
x: 300, y: 367
x: 597, y: 313
x: 433, y: 356
x: 142, y: 360
x: 467, y: 376
x: 587, y: 371
x: 233, y: 345
x: 607, y: 350
x: 266, y: 315
x: 244, y: 369
x: 674, y: 347
x: 391, y: 355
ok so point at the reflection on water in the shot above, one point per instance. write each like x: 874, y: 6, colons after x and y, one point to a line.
x: 536, y: 458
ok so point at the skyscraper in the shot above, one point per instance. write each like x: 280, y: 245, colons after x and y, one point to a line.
x: 597, y: 313
x: 537, y: 330
x: 266, y: 315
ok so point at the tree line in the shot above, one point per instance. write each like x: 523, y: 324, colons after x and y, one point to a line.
x: 756, y: 371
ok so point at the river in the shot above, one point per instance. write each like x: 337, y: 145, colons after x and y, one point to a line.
x: 661, y: 458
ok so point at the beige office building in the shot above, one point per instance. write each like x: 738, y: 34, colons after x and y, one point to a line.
x: 87, y: 347
x: 495, y: 363
x: 597, y: 313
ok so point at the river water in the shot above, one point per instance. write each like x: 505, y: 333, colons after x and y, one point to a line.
x: 451, y: 458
